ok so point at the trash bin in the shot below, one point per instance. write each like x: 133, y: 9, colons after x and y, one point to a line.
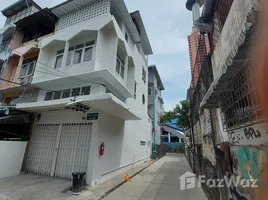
x: 78, y: 181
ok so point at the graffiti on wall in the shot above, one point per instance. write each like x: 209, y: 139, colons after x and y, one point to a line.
x: 247, y: 162
x: 251, y: 135
x: 236, y: 193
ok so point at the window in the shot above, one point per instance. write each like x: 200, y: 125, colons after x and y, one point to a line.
x: 135, y: 90
x: 76, y: 92
x: 88, y: 54
x: 59, y: 59
x: 149, y: 91
x: 143, y: 99
x: 1, y: 66
x: 66, y: 93
x: 28, y: 69
x: 143, y: 75
x: 80, y: 53
x: 48, y: 96
x: 126, y: 37
x: 142, y: 143
x: 69, y: 56
x: 57, y: 95
x: 86, y: 90
x: 120, y: 67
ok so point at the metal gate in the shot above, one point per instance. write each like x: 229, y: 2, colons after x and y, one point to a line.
x: 73, y: 151
x: 41, y: 148
x: 58, y: 150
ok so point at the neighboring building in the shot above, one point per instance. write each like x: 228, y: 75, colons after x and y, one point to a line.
x: 19, y: 42
x: 92, y: 76
x: 228, y: 133
x: 155, y: 102
x: 197, y: 50
x: 172, y: 134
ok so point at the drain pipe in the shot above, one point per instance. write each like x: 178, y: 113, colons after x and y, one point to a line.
x: 154, y: 115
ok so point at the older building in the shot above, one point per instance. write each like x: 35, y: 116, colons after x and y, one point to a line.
x: 228, y: 130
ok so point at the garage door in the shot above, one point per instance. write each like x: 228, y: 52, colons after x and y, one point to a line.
x: 42, y: 148
x: 58, y: 150
x: 73, y: 151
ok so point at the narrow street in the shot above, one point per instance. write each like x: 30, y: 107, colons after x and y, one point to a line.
x: 159, y: 182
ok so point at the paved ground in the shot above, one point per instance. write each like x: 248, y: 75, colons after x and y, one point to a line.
x: 33, y: 187
x: 159, y: 182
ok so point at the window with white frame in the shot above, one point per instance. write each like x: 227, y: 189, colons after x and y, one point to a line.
x: 143, y: 75
x: 120, y: 66
x: 59, y: 58
x: 80, y: 53
x: 28, y: 69
x: 66, y: 93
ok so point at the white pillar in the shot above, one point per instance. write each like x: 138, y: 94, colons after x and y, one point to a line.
x: 169, y: 139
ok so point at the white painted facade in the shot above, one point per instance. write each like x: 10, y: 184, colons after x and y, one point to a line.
x: 123, y: 124
x: 155, y: 101
x: 11, y: 156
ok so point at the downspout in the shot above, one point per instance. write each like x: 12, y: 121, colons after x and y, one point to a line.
x: 154, y: 116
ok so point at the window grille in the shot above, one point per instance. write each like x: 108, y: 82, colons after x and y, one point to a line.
x: 239, y: 105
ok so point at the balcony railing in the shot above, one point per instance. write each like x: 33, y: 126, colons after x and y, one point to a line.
x: 221, y: 11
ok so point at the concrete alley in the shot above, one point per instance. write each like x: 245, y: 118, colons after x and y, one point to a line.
x: 159, y: 182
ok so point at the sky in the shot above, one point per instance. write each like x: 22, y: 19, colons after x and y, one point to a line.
x: 167, y: 23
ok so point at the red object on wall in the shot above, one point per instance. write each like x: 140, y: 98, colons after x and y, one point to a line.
x: 102, y: 149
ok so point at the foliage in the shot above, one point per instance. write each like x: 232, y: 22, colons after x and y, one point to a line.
x: 167, y: 117
x: 180, y: 148
x: 182, y: 111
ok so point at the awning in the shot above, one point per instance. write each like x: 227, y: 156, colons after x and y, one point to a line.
x: 105, y: 102
x: 174, y: 131
x: 34, y: 23
x: 238, y: 58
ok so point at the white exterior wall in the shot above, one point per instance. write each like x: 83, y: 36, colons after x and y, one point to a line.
x: 121, y: 138
x: 11, y: 157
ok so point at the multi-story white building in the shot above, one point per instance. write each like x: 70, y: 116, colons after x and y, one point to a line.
x: 155, y: 102
x: 93, y: 93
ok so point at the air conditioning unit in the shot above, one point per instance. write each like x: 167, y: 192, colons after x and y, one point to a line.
x: 26, y: 80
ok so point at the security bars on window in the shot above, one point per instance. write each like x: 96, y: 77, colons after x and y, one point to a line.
x: 66, y: 93
x: 239, y: 105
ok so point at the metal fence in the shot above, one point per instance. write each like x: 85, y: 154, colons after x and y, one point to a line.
x: 239, y: 105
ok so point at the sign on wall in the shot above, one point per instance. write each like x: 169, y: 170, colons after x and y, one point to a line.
x: 92, y: 116
x: 251, y: 135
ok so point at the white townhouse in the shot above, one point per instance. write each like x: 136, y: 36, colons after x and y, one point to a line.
x: 93, y: 99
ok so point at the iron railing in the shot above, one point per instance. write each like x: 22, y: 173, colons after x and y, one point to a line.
x: 240, y: 105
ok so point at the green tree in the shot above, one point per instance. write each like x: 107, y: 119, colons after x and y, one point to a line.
x: 182, y: 111
x: 167, y: 117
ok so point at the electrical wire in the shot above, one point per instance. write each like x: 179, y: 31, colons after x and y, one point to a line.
x: 27, y: 86
x: 67, y: 75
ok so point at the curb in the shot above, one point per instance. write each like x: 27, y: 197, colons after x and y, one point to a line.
x: 123, y: 182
